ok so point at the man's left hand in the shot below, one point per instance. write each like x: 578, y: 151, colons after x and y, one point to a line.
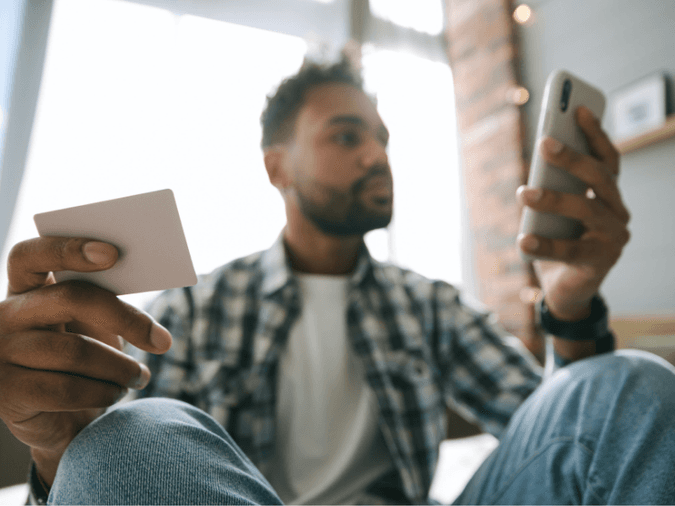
x: 571, y: 271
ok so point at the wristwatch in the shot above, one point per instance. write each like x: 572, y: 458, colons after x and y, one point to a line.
x: 592, y: 328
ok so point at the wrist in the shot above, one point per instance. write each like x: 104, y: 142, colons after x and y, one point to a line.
x: 592, y: 327
x: 566, y: 351
x: 572, y: 312
x: 45, y: 464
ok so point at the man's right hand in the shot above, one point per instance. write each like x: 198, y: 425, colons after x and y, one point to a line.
x: 61, y: 362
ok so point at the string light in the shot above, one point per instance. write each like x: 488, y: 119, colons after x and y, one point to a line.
x: 530, y: 295
x: 522, y: 14
x: 519, y: 95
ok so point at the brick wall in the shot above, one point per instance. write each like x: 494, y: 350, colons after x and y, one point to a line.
x: 482, y: 50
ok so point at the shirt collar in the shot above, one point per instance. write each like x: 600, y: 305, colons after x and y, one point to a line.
x: 277, y: 272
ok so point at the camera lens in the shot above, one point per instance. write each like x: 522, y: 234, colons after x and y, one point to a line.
x: 566, y: 92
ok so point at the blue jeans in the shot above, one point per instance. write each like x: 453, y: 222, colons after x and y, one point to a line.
x: 600, y: 431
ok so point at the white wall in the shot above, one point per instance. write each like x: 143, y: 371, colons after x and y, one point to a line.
x: 611, y: 43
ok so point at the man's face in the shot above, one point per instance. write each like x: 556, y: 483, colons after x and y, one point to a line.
x: 341, y: 179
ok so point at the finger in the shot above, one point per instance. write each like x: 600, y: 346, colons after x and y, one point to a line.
x: 564, y: 204
x: 50, y: 391
x: 30, y: 262
x: 593, y: 213
x: 588, y: 170
x: 587, y: 251
x: 78, y: 301
x: 74, y: 354
x: 597, y: 139
x: 98, y: 333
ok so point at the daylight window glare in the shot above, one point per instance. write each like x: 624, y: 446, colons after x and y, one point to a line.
x: 166, y: 106
x: 421, y: 15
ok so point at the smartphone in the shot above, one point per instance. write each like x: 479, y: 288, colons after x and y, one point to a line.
x: 563, y: 94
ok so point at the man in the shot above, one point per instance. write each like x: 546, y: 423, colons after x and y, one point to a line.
x: 327, y: 374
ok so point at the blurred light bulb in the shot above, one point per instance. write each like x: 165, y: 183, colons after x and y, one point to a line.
x: 520, y: 95
x: 530, y: 295
x: 522, y: 14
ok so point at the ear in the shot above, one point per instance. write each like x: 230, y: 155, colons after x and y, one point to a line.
x: 274, y: 157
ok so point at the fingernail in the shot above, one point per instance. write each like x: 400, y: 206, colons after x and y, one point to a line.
x: 533, y: 194
x: 142, y: 380
x: 98, y: 253
x: 160, y: 338
x: 553, y: 146
x: 530, y: 243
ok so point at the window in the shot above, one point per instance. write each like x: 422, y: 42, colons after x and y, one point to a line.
x: 421, y: 15
x: 137, y: 99
x: 416, y: 101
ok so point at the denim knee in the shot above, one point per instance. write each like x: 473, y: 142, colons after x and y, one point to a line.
x: 634, y: 394
x: 626, y: 385
x: 138, y: 426
x: 617, y: 391
x: 629, y: 369
x: 599, y: 430
x: 157, y: 451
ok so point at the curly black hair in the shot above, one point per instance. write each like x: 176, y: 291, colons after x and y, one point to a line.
x: 278, y: 117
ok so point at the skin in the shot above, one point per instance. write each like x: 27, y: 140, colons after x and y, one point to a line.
x: 60, y: 358
x: 574, y: 269
x: 337, y: 160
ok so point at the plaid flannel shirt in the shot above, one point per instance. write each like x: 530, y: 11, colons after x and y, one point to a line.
x: 422, y: 348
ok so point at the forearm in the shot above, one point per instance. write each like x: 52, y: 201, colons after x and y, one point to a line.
x: 46, y: 464
x: 571, y: 351
x: 42, y: 474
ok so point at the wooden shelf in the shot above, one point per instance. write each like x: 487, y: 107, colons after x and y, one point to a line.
x: 665, y: 131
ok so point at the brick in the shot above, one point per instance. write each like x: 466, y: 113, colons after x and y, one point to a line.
x: 478, y: 30
x: 459, y: 11
x: 485, y: 68
x: 493, y: 128
x: 482, y: 51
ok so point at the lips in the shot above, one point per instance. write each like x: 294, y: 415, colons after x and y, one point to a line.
x: 380, y: 184
x: 378, y: 191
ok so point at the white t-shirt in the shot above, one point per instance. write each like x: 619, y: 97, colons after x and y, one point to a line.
x: 328, y: 444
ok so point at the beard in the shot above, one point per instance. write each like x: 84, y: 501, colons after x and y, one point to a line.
x: 343, y: 213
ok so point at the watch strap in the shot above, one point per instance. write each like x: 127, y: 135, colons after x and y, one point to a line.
x: 592, y: 328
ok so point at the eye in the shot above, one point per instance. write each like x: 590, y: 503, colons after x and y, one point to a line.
x: 348, y: 138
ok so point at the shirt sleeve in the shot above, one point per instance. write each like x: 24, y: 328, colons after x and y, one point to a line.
x: 174, y: 310
x: 486, y: 372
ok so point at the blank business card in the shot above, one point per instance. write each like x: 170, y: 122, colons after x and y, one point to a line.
x: 147, y: 231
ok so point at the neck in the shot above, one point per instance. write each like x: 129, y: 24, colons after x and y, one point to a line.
x: 313, y: 252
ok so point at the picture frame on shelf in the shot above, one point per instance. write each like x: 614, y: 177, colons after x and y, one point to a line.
x: 639, y: 106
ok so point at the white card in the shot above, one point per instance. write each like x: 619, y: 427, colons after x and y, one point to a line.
x: 145, y: 228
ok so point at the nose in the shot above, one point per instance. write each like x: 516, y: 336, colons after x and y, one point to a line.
x: 374, y: 153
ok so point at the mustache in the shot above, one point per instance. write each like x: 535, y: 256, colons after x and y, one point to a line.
x: 375, y: 171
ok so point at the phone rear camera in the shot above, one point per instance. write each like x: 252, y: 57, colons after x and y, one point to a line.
x: 565, y: 97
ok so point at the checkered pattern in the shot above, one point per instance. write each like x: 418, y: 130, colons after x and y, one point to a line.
x: 422, y: 348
